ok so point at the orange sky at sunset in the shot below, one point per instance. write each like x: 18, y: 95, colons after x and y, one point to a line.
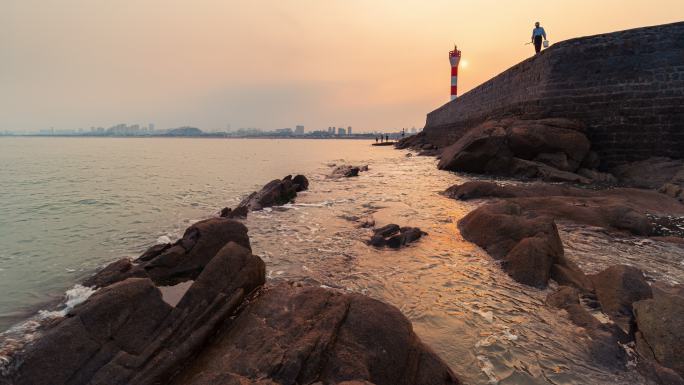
x: 372, y: 64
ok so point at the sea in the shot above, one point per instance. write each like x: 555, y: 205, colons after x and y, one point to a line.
x: 70, y: 205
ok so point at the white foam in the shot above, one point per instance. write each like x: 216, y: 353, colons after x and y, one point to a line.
x: 164, y: 239
x: 74, y: 296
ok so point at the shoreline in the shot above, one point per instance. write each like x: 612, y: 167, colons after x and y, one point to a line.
x: 383, y: 218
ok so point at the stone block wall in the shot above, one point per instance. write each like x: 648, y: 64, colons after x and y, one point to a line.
x: 627, y: 88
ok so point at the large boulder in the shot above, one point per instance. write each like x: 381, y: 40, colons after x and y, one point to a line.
x: 170, y: 264
x: 550, y: 149
x: 528, y: 246
x: 126, y: 333
x: 660, y: 335
x: 617, y: 288
x: 304, y: 335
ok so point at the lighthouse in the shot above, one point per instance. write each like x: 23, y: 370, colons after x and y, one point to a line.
x: 454, y: 59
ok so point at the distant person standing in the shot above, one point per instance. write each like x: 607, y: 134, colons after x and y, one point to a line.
x: 538, y: 37
x: 386, y: 138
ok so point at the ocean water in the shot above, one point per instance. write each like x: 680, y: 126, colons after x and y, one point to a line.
x: 71, y: 205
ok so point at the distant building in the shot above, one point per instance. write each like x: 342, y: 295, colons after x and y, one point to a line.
x: 299, y: 130
x: 341, y: 132
x: 349, y: 130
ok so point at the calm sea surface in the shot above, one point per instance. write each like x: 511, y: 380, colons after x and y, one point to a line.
x: 71, y: 205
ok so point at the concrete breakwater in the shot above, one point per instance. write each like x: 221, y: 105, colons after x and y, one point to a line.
x: 626, y: 87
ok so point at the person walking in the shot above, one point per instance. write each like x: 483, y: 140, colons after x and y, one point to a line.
x: 538, y: 37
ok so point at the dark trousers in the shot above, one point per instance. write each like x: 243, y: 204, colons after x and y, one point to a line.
x: 537, y: 44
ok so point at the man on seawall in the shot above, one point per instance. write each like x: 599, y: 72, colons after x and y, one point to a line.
x: 538, y: 35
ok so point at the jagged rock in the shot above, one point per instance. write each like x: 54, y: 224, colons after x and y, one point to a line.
x: 305, y: 334
x: 528, y: 246
x: 275, y: 193
x: 201, y: 241
x: 184, y: 260
x: 660, y: 335
x: 509, y: 146
x: 617, y: 288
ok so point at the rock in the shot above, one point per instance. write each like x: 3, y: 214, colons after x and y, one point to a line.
x: 114, y: 272
x: 650, y: 173
x: 239, y: 212
x: 307, y: 334
x: 121, y: 317
x: 201, y: 241
x: 387, y: 230
x: 345, y: 171
x: 556, y: 160
x: 377, y: 241
x: 184, y: 260
x: 275, y: 193
x: 617, y: 288
x: 411, y: 234
x: 566, y: 272
x: 598, y: 177
x: 395, y: 237
x: 546, y: 149
x: 617, y: 209
x: 660, y: 335
x: 301, y: 183
x: 247, y: 271
x: 673, y: 190
x: 499, y: 227
x: 659, y: 373
x: 592, y: 161
x: 529, y: 246
x: 604, y: 341
x: 153, y: 251
x: 530, y: 261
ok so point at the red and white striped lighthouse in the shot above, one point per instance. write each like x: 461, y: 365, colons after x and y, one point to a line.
x: 454, y: 59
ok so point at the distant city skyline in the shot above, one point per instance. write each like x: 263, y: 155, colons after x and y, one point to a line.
x: 271, y: 64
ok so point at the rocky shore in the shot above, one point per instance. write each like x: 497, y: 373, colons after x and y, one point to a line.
x: 199, y: 311
x: 614, y: 168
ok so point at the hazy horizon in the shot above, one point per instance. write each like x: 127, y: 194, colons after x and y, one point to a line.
x: 268, y: 64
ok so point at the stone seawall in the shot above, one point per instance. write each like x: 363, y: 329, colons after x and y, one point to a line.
x: 627, y: 88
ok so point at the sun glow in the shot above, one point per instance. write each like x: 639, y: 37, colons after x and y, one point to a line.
x: 464, y: 64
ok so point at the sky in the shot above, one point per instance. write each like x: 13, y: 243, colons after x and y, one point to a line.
x: 370, y: 64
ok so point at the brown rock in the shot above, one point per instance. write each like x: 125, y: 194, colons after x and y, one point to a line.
x: 659, y: 322
x: 304, y: 334
x: 617, y: 288
x: 529, y: 246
